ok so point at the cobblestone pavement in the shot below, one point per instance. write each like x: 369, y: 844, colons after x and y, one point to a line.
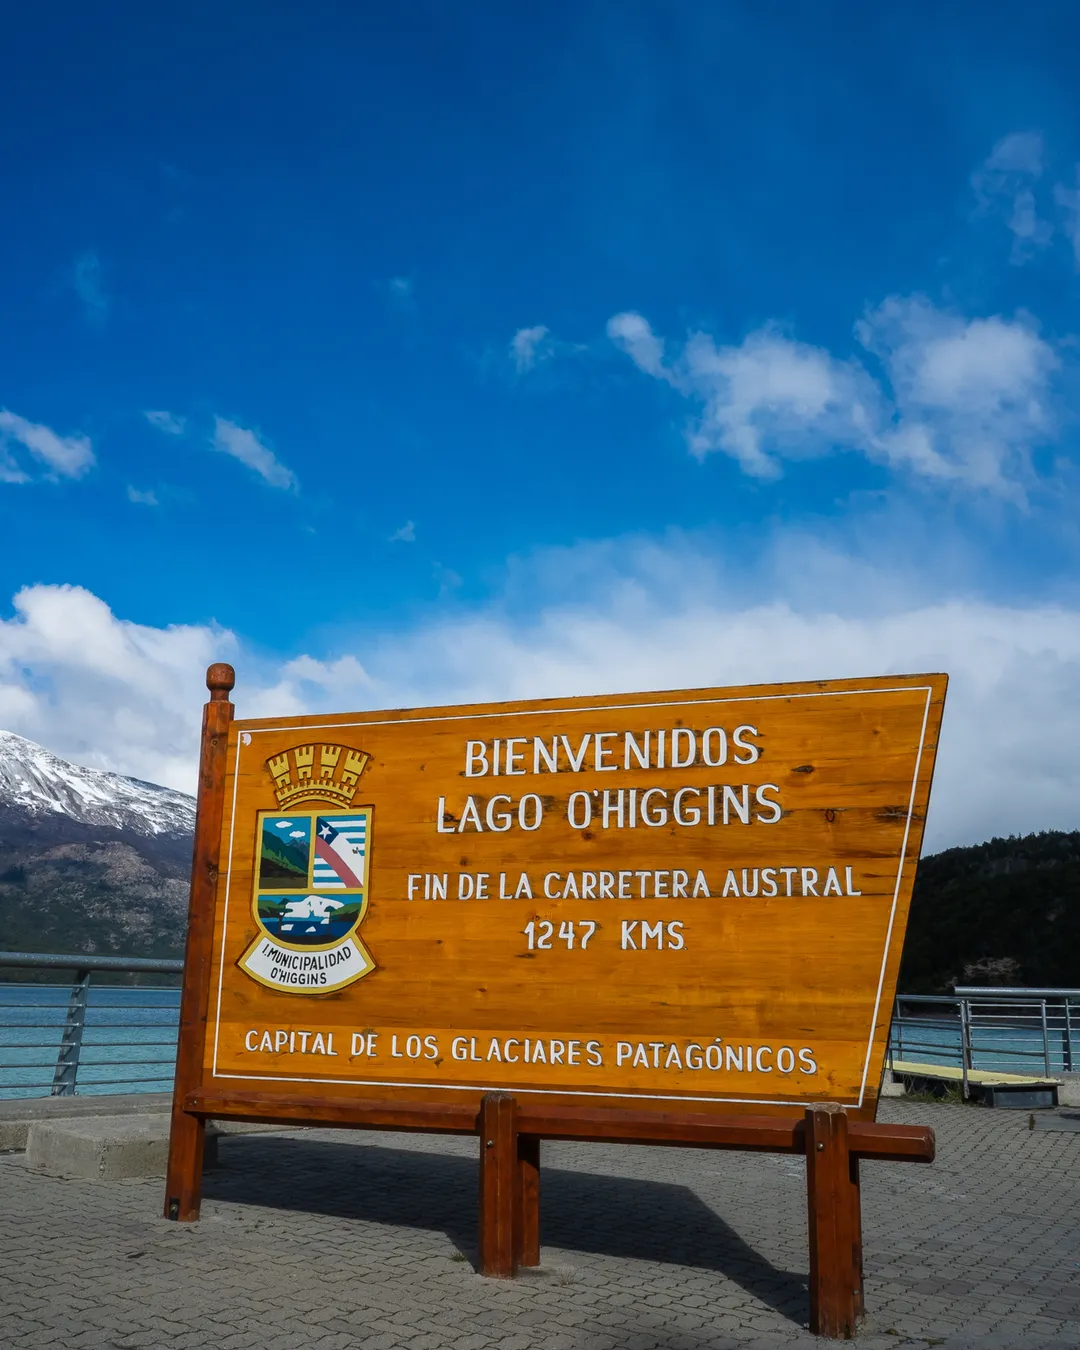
x: 324, y: 1240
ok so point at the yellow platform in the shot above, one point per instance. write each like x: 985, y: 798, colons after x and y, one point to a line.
x: 982, y: 1077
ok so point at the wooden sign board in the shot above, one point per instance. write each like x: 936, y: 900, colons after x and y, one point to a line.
x: 691, y: 900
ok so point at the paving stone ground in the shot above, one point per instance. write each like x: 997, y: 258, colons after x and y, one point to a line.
x: 328, y: 1240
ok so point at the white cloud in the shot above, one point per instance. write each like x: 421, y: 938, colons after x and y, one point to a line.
x: 406, y: 535
x: 529, y: 346
x: 1004, y: 185
x: 961, y: 399
x: 1030, y: 231
x: 632, y: 334
x: 1068, y: 199
x: 533, y: 347
x: 103, y: 691
x: 1007, y: 184
x: 972, y: 394
x: 66, y: 456
x: 125, y: 696
x: 1019, y: 152
x: 305, y: 682
x: 10, y: 471
x: 89, y: 285
x: 772, y: 393
x: 245, y: 446
x: 447, y: 578
x: 167, y: 422
x: 141, y: 498
x: 767, y: 398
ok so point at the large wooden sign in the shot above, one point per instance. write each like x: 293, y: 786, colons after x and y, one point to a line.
x: 694, y: 897
x: 670, y: 918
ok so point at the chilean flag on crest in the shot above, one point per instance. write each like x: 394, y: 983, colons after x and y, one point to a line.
x: 339, y: 853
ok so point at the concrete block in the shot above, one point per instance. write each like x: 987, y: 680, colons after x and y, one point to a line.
x: 105, y: 1148
x: 892, y: 1086
x: 1069, y: 1092
x: 18, y: 1113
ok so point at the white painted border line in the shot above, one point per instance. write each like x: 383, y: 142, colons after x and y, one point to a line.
x: 243, y: 732
x: 896, y: 897
x: 537, y: 1092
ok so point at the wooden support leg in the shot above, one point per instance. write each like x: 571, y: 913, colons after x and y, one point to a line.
x: 183, y: 1183
x: 498, y: 1184
x: 835, y: 1224
x: 527, y: 1226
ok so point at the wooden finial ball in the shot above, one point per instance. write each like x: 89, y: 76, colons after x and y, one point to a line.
x: 220, y: 678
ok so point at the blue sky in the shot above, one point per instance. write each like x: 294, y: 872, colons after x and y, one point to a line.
x: 436, y: 351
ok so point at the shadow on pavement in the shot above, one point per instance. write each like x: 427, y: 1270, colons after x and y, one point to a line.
x: 580, y: 1211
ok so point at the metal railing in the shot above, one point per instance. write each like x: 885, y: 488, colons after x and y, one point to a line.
x: 1034, y: 1032
x: 86, y: 1036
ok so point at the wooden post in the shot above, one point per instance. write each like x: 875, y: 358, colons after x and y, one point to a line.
x: 835, y: 1224
x: 498, y: 1184
x: 527, y: 1208
x: 183, y: 1185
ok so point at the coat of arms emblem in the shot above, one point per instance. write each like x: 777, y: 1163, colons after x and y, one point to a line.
x: 311, y: 874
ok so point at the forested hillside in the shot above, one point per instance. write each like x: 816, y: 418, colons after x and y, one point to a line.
x: 1003, y: 912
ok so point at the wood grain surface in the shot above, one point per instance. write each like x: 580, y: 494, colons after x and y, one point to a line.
x: 720, y: 999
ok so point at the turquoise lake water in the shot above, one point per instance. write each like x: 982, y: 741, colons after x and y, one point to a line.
x: 128, y: 1045
x: 1015, y: 1048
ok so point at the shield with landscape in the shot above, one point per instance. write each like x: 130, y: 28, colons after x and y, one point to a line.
x: 310, y: 893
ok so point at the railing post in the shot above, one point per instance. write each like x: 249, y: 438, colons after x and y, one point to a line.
x: 1066, y: 1045
x: 965, y: 1043
x: 1046, y: 1040
x: 67, y: 1060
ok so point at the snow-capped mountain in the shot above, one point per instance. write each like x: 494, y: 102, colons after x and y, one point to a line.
x: 35, y: 782
x: 89, y: 861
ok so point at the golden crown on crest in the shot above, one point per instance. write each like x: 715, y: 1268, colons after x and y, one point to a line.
x: 329, y: 772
